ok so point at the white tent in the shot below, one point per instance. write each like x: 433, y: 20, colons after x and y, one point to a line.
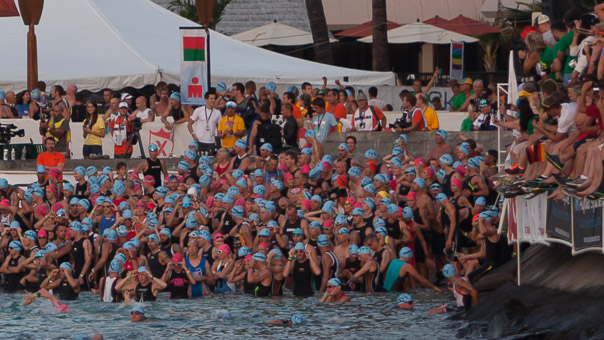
x: 275, y: 34
x: 419, y: 32
x: 116, y: 43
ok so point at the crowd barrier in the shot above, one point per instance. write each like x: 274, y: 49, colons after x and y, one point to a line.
x: 171, y: 142
x: 576, y: 223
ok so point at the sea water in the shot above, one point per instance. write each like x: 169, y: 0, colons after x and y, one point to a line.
x: 230, y: 317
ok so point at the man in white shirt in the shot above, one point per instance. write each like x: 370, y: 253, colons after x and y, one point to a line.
x: 142, y: 112
x: 373, y: 100
x: 543, y: 24
x: 206, y: 120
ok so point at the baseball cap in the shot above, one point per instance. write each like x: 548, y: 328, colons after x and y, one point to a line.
x: 466, y: 80
x: 541, y: 19
x: 123, y: 105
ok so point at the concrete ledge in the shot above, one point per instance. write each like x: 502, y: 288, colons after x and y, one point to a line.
x: 419, y: 144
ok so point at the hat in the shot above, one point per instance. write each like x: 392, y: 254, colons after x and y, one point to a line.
x: 259, y: 257
x: 299, y: 246
x: 175, y: 96
x: 480, y: 201
x: 404, y: 298
x: 370, y: 188
x: 278, y: 184
x: 118, y: 187
x: 381, y: 230
x: 142, y: 269
x: 108, y: 169
x: 298, y: 319
x: 449, y: 270
x: 421, y: 183
x: 138, y: 309
x: 30, y: 234
x: 271, y: 86
x: 371, y: 154
x: 442, y: 134
x: 267, y: 146
x: 322, y: 241
x: 237, y: 174
x: 466, y: 80
x: 440, y: 197
x: 16, y: 245
x: 265, y: 232
x: 392, y: 209
x: 364, y: 250
x: 436, y: 186
x: 541, y: 19
x: 233, y: 191
x: 166, y: 231
x: 67, y: 266
x: 298, y: 231
x: 240, y: 143
x: 123, y: 105
x: 357, y: 212
x: 335, y: 281
x: 404, y: 137
x: 153, y: 147
x: 40, y: 254
x: 310, y: 134
x: 343, y: 146
x: 410, y: 171
x: 405, y: 252
x: 221, y: 86
x: 353, y: 249
x: 177, y: 258
x: 50, y: 247
x: 362, y: 96
x: 153, y: 238
x: 307, y: 151
x: 115, y: 266
x: 278, y: 255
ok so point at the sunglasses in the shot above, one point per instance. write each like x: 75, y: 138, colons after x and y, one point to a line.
x: 331, y: 286
x: 135, y: 313
x: 41, y: 237
x: 106, y: 206
x: 298, y: 251
x: 326, y: 229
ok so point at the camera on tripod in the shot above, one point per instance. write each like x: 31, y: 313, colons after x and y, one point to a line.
x: 136, y: 124
x: 8, y: 131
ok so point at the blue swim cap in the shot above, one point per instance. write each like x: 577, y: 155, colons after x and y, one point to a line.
x: 480, y: 201
x: 298, y: 319
x: 16, y: 245
x: 50, y: 247
x: 353, y: 249
x: 446, y: 159
x: 67, y: 266
x: 449, y: 271
x: 243, y: 251
x: 440, y: 197
x: 139, y: 309
x: 115, y: 266
x: 407, y: 212
x: 278, y: 254
x: 354, y: 172
x: 322, y: 241
x: 404, y: 298
x: 259, y: 257
x: 371, y: 154
x: 299, y: 246
x: 364, y: 250
x: 298, y: 231
x: 335, y: 281
x: 405, y: 252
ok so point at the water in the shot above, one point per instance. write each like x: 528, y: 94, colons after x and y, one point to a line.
x: 228, y: 317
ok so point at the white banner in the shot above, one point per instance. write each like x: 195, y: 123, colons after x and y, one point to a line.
x: 456, y: 65
x: 193, y: 65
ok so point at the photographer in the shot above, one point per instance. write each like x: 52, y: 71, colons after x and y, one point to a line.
x: 121, y: 129
x: 57, y: 127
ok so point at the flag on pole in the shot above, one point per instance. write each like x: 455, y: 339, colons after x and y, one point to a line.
x: 512, y: 84
x: 193, y: 65
x: 456, y: 68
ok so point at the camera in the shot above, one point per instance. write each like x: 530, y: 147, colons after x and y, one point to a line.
x: 44, y: 111
x: 136, y: 124
x: 8, y: 131
x: 398, y: 123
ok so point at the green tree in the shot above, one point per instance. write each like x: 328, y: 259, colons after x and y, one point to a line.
x: 187, y: 9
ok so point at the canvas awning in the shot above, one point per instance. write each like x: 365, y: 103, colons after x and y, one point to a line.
x: 419, y: 32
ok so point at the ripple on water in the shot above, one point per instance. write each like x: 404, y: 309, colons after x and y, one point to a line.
x: 227, y: 317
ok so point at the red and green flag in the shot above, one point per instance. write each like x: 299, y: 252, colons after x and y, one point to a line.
x: 194, y: 48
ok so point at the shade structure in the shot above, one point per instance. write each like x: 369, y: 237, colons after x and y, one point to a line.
x: 436, y: 21
x: 363, y: 30
x: 468, y: 26
x: 275, y: 34
x: 419, y: 32
x: 101, y: 43
x: 8, y: 8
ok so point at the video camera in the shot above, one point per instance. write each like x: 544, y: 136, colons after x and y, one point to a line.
x: 44, y: 112
x: 8, y: 131
x: 136, y: 124
x: 401, y: 122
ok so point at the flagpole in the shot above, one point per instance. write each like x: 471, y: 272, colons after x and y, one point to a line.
x: 208, y: 56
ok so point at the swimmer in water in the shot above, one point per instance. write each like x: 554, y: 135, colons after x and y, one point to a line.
x: 296, y: 319
x: 405, y: 302
x: 465, y: 295
x: 334, y: 293
x: 137, y: 314
x: 62, y: 283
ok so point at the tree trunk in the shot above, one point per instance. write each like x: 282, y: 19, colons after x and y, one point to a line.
x: 381, y: 60
x: 320, y: 34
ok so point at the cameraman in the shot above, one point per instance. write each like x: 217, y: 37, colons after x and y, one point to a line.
x: 121, y: 130
x: 57, y: 127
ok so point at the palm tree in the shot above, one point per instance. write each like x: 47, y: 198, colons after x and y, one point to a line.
x: 320, y: 34
x: 381, y: 60
x: 188, y: 9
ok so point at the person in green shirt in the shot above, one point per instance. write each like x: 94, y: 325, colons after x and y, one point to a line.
x: 466, y: 90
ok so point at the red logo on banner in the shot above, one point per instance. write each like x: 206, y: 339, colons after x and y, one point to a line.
x: 164, y: 141
x: 195, y: 91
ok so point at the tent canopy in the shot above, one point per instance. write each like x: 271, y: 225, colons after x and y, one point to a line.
x: 364, y: 30
x: 467, y: 26
x: 100, y: 43
x: 419, y: 32
x: 8, y: 8
x: 275, y: 34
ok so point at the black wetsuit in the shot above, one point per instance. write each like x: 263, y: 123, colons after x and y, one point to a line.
x: 11, y: 281
x: 178, y: 285
x: 261, y: 290
x: 353, y: 267
x: 154, y: 169
x: 144, y: 293
x: 65, y: 292
x: 156, y: 268
x: 302, y: 278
